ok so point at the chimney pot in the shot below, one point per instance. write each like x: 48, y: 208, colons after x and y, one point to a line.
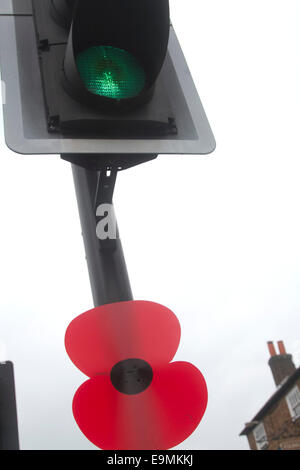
x: 271, y: 348
x: 281, y: 347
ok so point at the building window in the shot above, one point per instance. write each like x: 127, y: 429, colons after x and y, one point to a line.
x: 260, y: 437
x: 293, y: 402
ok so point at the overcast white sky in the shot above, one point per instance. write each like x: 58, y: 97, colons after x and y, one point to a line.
x: 214, y: 238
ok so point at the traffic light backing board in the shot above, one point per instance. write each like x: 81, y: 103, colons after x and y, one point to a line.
x: 25, y: 123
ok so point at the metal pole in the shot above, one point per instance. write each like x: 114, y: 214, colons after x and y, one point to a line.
x: 9, y: 438
x: 106, y: 264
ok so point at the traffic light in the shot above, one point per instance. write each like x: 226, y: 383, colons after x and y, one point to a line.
x: 97, y: 77
x: 100, y: 62
x: 115, y: 51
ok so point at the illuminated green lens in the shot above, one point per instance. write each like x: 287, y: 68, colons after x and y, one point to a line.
x: 110, y: 72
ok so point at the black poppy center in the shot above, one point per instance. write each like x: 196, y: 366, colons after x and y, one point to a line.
x: 131, y: 376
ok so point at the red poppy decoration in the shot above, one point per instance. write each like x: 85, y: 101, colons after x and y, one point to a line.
x: 135, y: 398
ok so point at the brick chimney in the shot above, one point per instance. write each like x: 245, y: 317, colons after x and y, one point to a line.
x: 281, y: 364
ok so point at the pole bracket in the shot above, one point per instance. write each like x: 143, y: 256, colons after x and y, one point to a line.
x: 104, y: 161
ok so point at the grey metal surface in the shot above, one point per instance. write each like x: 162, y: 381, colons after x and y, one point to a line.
x: 107, y: 268
x: 15, y: 7
x: 24, y: 111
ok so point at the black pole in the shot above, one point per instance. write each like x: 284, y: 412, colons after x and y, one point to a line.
x: 9, y: 437
x: 106, y: 264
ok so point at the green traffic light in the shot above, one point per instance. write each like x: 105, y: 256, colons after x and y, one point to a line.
x: 110, y: 72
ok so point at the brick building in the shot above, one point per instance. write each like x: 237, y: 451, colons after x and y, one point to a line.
x: 277, y: 425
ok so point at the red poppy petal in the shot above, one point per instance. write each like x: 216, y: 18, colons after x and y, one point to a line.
x: 159, y: 418
x: 99, y: 338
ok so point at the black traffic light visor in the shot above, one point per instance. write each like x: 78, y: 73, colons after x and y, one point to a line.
x: 115, y: 51
x: 62, y: 12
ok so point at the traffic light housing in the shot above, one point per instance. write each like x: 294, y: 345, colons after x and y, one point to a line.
x: 115, y: 51
x: 142, y: 102
x: 100, y: 62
